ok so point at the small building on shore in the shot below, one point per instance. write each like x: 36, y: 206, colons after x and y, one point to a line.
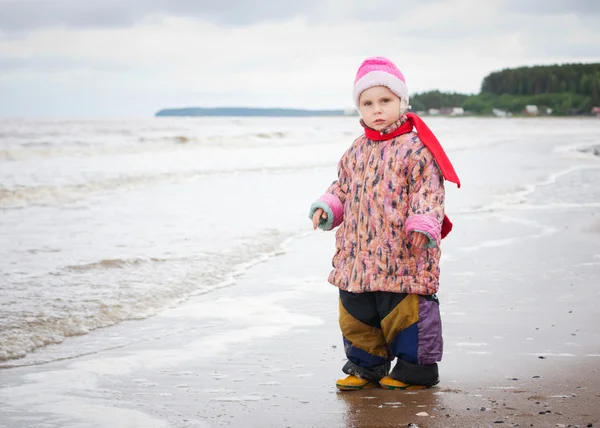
x: 531, y: 110
x: 596, y: 111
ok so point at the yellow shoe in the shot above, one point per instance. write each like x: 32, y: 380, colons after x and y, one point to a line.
x: 389, y: 383
x: 353, y: 383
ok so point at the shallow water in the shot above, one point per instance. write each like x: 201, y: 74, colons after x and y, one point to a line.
x: 107, y: 221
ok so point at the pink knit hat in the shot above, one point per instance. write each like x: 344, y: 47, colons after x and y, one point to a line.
x: 379, y: 71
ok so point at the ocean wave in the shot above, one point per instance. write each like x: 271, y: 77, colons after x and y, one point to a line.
x: 52, y: 150
x: 591, y: 150
x: 23, y: 196
x: 586, y: 150
x: 47, y: 148
x: 115, y: 264
x: 521, y: 197
x: 47, y: 195
x: 106, y: 292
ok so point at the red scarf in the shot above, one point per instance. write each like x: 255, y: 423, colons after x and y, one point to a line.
x: 431, y: 142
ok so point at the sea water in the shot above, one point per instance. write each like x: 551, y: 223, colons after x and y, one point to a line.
x: 104, y: 221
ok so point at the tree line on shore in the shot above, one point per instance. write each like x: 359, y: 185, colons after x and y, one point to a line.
x: 568, y: 89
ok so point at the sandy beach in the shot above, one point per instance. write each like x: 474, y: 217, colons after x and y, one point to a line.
x: 265, y: 352
x: 249, y: 336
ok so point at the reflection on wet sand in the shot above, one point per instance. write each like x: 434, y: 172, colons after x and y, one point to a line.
x: 383, y: 408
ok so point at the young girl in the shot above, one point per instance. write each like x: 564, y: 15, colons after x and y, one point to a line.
x: 388, y: 202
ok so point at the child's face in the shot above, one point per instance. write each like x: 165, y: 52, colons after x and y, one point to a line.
x: 379, y: 107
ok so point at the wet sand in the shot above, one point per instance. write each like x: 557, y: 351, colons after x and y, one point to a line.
x: 522, y: 348
x: 519, y: 288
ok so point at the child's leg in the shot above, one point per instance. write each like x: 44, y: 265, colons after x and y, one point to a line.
x: 412, y: 328
x: 363, y: 339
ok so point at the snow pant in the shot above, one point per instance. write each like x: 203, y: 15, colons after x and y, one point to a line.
x: 380, y: 326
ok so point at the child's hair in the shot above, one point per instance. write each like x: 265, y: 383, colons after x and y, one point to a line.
x: 403, y: 106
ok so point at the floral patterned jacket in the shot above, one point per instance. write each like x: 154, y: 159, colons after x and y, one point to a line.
x: 385, y: 190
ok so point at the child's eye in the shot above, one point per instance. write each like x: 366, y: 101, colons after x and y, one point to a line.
x: 367, y: 103
x: 385, y: 100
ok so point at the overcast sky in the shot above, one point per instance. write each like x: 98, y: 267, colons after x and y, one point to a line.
x: 133, y: 57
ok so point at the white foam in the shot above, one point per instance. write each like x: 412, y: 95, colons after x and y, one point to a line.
x: 550, y: 354
x: 133, y: 303
x: 464, y: 273
x: 240, y: 399
x: 258, y: 317
x: 558, y: 206
x: 543, y: 231
x: 490, y: 244
x: 518, y: 200
x: 245, y: 309
x: 472, y: 344
x: 219, y: 391
x: 102, y: 416
x: 590, y: 264
x: 577, y: 151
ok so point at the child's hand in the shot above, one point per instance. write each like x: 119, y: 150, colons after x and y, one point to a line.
x: 317, y: 216
x: 419, y: 240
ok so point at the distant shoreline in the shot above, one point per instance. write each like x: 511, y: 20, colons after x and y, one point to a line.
x: 289, y: 112
x: 249, y: 112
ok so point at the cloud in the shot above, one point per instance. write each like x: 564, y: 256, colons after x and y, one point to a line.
x: 55, y: 64
x: 87, y: 56
x: 27, y: 15
x: 580, y: 8
x: 23, y: 15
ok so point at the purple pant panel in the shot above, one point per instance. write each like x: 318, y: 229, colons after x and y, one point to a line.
x: 431, y: 344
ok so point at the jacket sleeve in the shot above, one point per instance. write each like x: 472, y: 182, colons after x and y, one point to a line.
x: 426, y: 197
x: 334, y: 198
